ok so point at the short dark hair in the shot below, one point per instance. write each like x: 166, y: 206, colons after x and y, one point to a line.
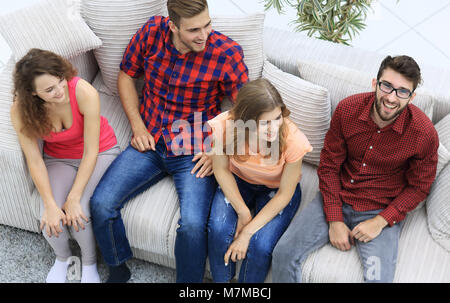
x: 404, y: 65
x: 184, y: 9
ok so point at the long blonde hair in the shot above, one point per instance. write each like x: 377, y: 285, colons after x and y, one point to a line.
x: 255, y: 98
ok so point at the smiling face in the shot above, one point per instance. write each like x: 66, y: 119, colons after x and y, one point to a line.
x: 51, y: 89
x: 269, y: 125
x: 388, y: 107
x: 192, y: 33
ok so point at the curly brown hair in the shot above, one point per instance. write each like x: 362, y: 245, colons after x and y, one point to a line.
x: 33, y: 113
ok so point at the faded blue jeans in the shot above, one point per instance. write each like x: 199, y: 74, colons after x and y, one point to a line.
x: 309, y: 231
x: 222, y: 226
x: 131, y: 173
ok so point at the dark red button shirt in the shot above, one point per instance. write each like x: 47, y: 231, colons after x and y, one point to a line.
x: 182, y: 91
x: 369, y: 168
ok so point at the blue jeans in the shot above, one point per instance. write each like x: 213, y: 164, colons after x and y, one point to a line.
x: 132, y: 173
x: 222, y: 226
x: 309, y: 231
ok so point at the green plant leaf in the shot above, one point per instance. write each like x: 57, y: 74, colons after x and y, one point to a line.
x: 333, y: 20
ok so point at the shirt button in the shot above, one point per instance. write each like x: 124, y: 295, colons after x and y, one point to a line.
x: 370, y: 147
x: 364, y: 164
x: 163, y: 128
x: 379, y: 131
x: 352, y: 181
x: 394, y: 222
x: 175, y: 75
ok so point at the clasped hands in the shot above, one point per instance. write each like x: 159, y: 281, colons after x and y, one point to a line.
x: 238, y: 248
x: 341, y: 237
x: 70, y: 214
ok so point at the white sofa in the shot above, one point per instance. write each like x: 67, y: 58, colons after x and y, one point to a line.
x: 312, y: 75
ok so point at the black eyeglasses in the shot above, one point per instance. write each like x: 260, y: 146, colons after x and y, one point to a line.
x: 402, y: 93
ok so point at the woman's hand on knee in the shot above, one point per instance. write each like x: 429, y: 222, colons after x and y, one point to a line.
x: 74, y: 213
x: 238, y: 249
x: 51, y: 221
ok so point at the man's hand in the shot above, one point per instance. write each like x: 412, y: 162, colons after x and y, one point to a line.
x: 340, y: 235
x: 142, y: 140
x: 370, y: 229
x: 204, y: 164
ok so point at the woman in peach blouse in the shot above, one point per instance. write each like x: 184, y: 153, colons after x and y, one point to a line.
x: 257, y: 158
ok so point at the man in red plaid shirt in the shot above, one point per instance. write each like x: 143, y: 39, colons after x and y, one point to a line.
x: 378, y: 163
x: 188, y: 70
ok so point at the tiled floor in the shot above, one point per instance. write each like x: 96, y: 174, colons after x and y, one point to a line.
x: 413, y: 27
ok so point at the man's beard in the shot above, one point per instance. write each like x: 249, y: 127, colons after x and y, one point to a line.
x: 378, y: 107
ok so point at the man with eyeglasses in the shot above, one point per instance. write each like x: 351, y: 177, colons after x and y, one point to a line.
x: 378, y: 163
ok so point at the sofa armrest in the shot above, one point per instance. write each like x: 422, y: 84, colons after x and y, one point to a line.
x: 16, y: 185
x: 438, y: 206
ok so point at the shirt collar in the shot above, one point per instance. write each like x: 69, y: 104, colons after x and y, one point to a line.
x: 397, y: 125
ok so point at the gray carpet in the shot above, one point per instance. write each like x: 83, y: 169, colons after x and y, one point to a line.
x: 27, y: 257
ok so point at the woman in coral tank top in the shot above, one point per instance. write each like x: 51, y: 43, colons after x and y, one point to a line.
x: 53, y: 105
x: 257, y: 157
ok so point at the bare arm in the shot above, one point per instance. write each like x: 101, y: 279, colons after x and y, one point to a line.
x: 89, y: 106
x: 291, y: 176
x: 142, y: 140
x: 289, y: 179
x: 39, y: 174
x: 229, y: 187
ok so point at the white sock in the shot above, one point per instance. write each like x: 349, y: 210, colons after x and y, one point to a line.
x: 58, y: 272
x: 90, y: 274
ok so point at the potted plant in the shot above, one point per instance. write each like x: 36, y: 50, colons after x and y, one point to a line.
x: 333, y: 20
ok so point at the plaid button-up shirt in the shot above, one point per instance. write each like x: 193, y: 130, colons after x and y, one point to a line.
x: 182, y: 91
x: 369, y: 168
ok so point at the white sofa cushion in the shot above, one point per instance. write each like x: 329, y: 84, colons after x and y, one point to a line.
x: 248, y: 32
x: 115, y: 23
x: 309, y: 105
x: 86, y: 65
x: 443, y: 159
x: 438, y: 206
x: 8, y: 134
x: 443, y: 130
x: 342, y: 82
x: 15, y: 181
x: 54, y: 25
x: 438, y: 209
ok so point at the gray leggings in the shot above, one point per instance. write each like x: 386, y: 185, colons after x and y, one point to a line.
x: 62, y: 173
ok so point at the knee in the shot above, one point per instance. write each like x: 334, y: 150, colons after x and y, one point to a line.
x: 261, y: 247
x: 192, y: 225
x: 100, y: 207
x: 218, y: 230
